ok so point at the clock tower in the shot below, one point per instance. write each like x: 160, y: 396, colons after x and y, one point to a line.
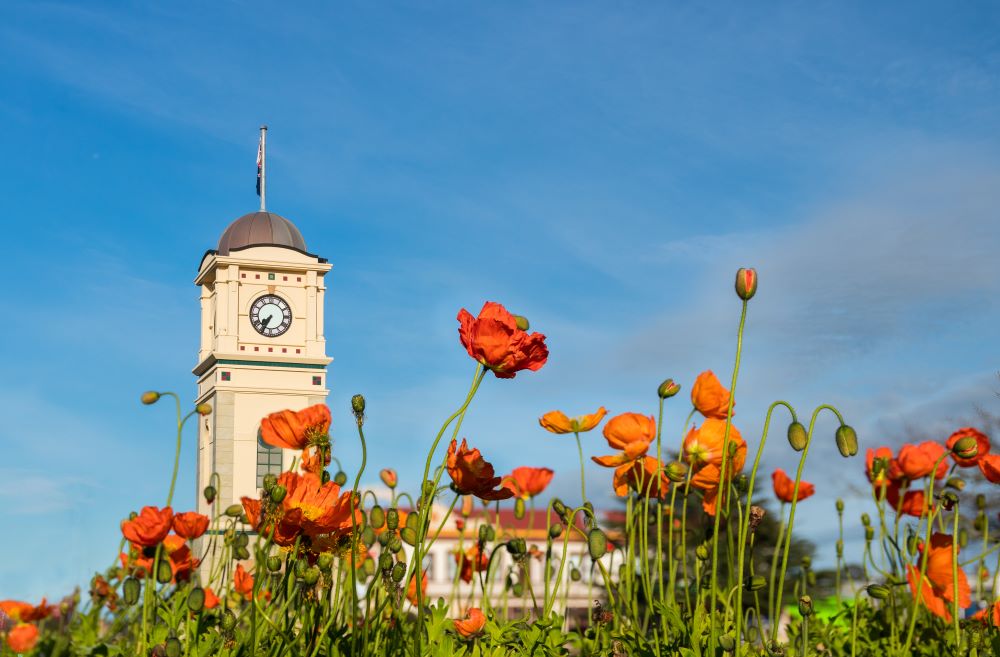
x: 262, y: 349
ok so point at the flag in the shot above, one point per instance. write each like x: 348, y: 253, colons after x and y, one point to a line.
x: 260, y: 161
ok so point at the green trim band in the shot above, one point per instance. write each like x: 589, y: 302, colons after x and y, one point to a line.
x: 264, y: 363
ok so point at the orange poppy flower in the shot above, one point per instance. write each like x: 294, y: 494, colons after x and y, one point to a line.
x: 784, y: 487
x: 297, y: 429
x: 472, y: 474
x: 411, y: 588
x: 989, y: 615
x: 471, y: 625
x: 625, y: 464
x: 182, y: 563
x: 309, y: 507
x: 190, y: 525
x: 935, y: 588
x: 989, y: 465
x: 527, y: 482
x: 627, y: 428
x: 709, y: 397
x: 25, y: 612
x: 558, y: 422
x: 916, y: 461
x: 149, y: 527
x: 471, y: 561
x: 315, y: 459
x: 22, y: 638
x: 211, y: 600
x: 494, y: 340
x: 703, y: 445
x: 982, y: 444
x: 243, y: 582
x: 890, y: 473
x: 913, y: 504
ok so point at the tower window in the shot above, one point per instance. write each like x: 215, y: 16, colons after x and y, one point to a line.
x: 270, y: 277
x: 224, y: 376
x: 268, y: 460
x: 317, y: 380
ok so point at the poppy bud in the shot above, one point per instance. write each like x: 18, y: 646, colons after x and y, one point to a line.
x: 324, y: 561
x: 555, y: 530
x: 963, y: 537
x: 956, y: 483
x: 746, y: 283
x: 173, y: 647
x: 300, y: 567
x: 398, y: 572
x: 385, y: 561
x: 517, y: 589
x: 274, y: 563
x: 675, y: 471
x: 388, y: 476
x: 368, y: 567
x: 869, y: 533
x: 668, y: 389
x: 483, y: 533
x: 840, y: 548
x: 965, y: 448
x: 196, y: 599
x: 340, y: 478
x: 376, y: 517
x: 368, y: 536
x: 807, y: 562
x: 559, y: 507
x: 413, y: 521
x: 163, y: 572
x: 806, y: 606
x: 241, y: 553
x: 209, y: 494
x: 519, y: 508
x: 269, y: 482
x: 395, y: 543
x: 912, y: 544
x: 949, y: 499
x: 383, y: 538
x: 847, y: 441
x: 980, y: 501
x: 278, y: 493
x: 979, y: 524
x: 242, y: 539
x: 234, y: 510
x: 358, y: 407
x: 865, y: 519
x: 840, y: 505
x: 741, y: 484
x: 311, y: 576
x: 392, y: 518
x: 324, y: 477
x: 755, y: 583
x: 228, y: 622
x: 797, y: 436
x: 702, y: 552
x: 130, y: 590
x: 727, y: 643
x: 878, y: 591
x: 521, y: 322
x: 150, y: 397
x: 467, y: 502
x: 574, y: 574
x: 597, y: 543
x: 408, y: 535
x: 203, y: 409
x: 516, y: 546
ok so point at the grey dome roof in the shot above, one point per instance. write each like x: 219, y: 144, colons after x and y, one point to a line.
x: 260, y: 229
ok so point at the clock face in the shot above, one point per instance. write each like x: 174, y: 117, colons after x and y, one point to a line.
x: 270, y: 315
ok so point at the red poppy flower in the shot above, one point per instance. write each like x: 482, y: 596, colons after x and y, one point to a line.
x: 471, y: 561
x: 411, y: 588
x: 190, y: 525
x: 709, y: 396
x: 989, y: 615
x: 211, y: 600
x: 913, y: 504
x: 22, y: 638
x: 916, y: 461
x: 558, y: 422
x: 982, y: 446
x: 494, y: 340
x: 149, y: 527
x: 471, y: 625
x: 936, y: 589
x: 472, y: 474
x: 243, y: 582
x: 297, y: 429
x: 25, y: 611
x: 989, y: 465
x: 890, y: 472
x: 784, y: 487
x: 527, y: 482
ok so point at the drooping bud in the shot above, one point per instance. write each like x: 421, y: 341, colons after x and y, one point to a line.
x: 324, y: 476
x: 675, y: 471
x: 755, y: 583
x: 228, y: 622
x: 385, y: 561
x: 234, y: 510
x: 376, y: 517
x: 519, y: 508
x: 278, y: 493
x: 368, y: 567
x: 878, y: 591
x: 340, y: 478
x: 398, y: 572
x: 727, y: 643
x: 163, y: 572
x: 209, y: 494
x: 203, y: 409
x: 392, y: 518
x: 847, y: 441
x: 668, y: 389
x: 311, y: 576
x: 956, y: 483
x: 522, y: 322
x: 574, y: 574
x: 840, y: 505
x: 150, y: 397
x: 912, y: 544
x: 963, y: 537
x: 965, y: 448
x: 979, y: 524
x: 172, y: 647
x: 408, y: 535
x: 746, y: 283
x: 555, y: 530
x: 701, y: 552
x: 597, y: 543
x: 741, y: 484
x: 806, y: 606
x: 368, y: 537
x: 865, y: 519
x: 130, y: 590
x: 196, y: 599
x: 273, y: 563
x: 797, y: 436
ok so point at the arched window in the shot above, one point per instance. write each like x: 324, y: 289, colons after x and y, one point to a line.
x: 268, y: 460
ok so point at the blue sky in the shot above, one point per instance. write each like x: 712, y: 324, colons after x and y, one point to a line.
x: 601, y: 168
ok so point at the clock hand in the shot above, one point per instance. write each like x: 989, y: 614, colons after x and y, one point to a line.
x: 267, y: 322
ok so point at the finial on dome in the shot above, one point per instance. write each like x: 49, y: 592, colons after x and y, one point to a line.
x: 262, y: 168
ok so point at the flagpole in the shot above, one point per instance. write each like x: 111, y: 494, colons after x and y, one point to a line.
x: 263, y: 168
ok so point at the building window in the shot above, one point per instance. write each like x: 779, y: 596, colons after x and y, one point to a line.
x: 270, y: 277
x: 268, y: 460
x: 317, y: 380
x: 224, y: 376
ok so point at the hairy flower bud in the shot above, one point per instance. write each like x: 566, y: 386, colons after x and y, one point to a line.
x: 574, y: 574
x: 273, y: 563
x: 358, y: 408
x: 163, y: 572
x: 150, y: 397
x: 196, y: 599
x: 234, y: 510
x: 398, y: 572
x: 408, y: 535
x: 746, y: 283
x: 172, y: 647
x: 865, y: 519
x: 555, y: 530
x: 278, y: 493
x: 388, y: 476
x: 521, y: 322
x: 847, y: 441
x: 311, y: 576
x: 797, y: 436
x: 701, y: 552
x: 741, y: 484
x: 668, y: 389
x: 755, y: 583
x: 840, y: 505
x: 392, y: 518
x: 130, y: 590
x: 806, y: 606
x: 878, y: 591
x: 979, y: 524
x: 519, y: 508
x: 597, y: 543
x: 340, y: 478
x: 228, y: 621
x: 385, y: 561
x: 203, y: 409
x: 675, y: 471
x: 727, y: 643
x: 376, y: 517
x: 209, y: 494
x: 965, y: 448
x: 955, y: 483
x: 269, y: 482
